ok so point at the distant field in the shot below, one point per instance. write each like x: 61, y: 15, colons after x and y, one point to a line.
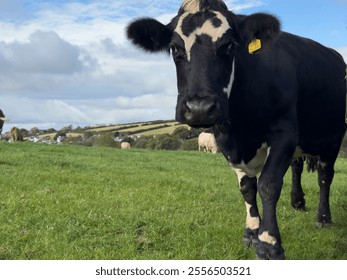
x: 146, y: 128
x: 126, y: 128
x: 69, y: 134
x: 75, y: 202
x: 164, y: 130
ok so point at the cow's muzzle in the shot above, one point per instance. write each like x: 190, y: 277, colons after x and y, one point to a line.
x: 200, y: 111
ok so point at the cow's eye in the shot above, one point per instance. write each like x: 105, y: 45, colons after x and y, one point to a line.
x: 177, y: 53
x: 225, y: 49
x: 173, y: 49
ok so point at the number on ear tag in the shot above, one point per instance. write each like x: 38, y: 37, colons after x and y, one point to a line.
x: 254, y: 46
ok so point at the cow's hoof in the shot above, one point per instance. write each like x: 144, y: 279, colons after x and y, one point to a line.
x: 269, y: 252
x: 298, y: 201
x: 250, y: 237
x: 323, y: 221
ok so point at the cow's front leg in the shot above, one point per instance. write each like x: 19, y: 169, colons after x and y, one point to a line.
x: 269, y: 188
x: 248, y: 188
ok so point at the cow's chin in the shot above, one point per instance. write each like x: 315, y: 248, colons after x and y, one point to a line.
x: 199, y: 123
x: 205, y: 125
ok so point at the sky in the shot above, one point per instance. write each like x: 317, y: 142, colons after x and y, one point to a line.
x: 69, y: 63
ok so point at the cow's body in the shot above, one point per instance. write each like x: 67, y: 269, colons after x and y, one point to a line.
x: 207, y: 142
x: 269, y: 96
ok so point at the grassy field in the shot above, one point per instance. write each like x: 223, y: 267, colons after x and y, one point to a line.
x: 74, y: 202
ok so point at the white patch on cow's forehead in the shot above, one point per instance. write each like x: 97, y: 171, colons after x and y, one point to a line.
x: 206, y: 29
x: 191, y: 6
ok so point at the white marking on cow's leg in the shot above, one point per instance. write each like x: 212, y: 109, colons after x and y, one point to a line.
x: 240, y: 174
x: 228, y: 89
x: 267, y: 238
x: 251, y: 222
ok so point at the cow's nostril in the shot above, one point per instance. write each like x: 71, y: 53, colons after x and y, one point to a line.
x: 200, y: 105
x: 210, y: 108
x: 192, y: 106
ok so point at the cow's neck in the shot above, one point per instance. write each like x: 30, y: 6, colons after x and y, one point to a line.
x: 237, y: 143
x: 242, y: 135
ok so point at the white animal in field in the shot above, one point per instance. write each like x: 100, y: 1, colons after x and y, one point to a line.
x: 207, y: 142
x: 125, y: 145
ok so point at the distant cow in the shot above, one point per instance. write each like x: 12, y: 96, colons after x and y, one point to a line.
x: 15, y: 134
x: 125, y: 145
x: 207, y: 142
x: 267, y: 94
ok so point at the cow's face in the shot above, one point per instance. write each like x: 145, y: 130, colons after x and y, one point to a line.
x: 203, y: 49
x: 203, y: 41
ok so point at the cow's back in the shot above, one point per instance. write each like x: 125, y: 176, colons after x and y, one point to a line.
x: 321, y: 91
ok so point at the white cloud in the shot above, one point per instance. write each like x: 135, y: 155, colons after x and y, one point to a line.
x: 45, y: 53
x: 59, y: 113
x: 236, y: 6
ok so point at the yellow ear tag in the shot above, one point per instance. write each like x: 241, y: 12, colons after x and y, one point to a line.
x: 254, y: 46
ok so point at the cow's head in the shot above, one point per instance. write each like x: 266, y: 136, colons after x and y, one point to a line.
x: 204, y: 39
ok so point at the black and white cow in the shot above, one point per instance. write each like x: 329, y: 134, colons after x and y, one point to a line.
x: 269, y: 95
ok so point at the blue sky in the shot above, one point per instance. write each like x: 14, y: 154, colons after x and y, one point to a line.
x: 322, y: 20
x: 68, y: 62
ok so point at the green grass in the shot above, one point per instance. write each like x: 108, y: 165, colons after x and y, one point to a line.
x: 72, y: 202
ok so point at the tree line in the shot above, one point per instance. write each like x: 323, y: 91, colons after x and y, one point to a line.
x: 182, y: 138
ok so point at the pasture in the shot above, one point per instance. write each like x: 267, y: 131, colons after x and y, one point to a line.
x: 74, y: 202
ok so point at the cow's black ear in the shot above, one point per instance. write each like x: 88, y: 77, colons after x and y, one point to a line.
x: 149, y: 34
x: 259, y: 26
